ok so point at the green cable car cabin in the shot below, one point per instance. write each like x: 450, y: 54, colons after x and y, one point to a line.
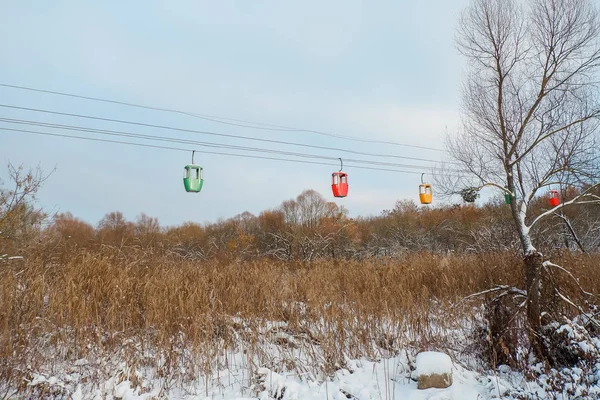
x: 192, y: 177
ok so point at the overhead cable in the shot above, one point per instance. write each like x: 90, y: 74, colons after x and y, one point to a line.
x: 199, y: 151
x: 201, y: 143
x: 223, y: 120
x: 211, y: 133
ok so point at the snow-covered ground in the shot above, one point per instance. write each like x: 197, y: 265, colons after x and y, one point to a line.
x: 284, y: 372
x: 391, y: 378
x: 362, y: 379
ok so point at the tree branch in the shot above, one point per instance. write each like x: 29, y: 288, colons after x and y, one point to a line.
x: 574, y: 200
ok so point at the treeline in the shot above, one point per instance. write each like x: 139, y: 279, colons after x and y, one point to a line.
x: 309, y: 227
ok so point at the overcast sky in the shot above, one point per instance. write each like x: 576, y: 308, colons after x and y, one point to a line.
x: 379, y: 70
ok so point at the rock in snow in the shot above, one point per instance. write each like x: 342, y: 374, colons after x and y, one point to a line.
x: 434, y: 370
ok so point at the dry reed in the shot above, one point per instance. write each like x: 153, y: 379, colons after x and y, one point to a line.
x: 352, y: 308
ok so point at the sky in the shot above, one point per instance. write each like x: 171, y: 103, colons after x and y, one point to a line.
x: 385, y: 70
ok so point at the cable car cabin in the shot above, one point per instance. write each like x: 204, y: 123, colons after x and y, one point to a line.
x: 192, y: 178
x: 553, y: 198
x: 425, y: 194
x: 339, y: 184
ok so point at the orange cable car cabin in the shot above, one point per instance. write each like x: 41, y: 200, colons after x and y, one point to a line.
x: 425, y: 193
x: 339, y: 184
x: 553, y: 198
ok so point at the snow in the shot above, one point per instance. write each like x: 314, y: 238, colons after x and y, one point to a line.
x: 433, y: 362
x: 242, y: 376
x: 373, y: 380
x: 78, y: 394
x: 385, y: 379
x: 362, y: 380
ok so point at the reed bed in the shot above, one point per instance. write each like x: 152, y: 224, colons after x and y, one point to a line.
x: 65, y: 308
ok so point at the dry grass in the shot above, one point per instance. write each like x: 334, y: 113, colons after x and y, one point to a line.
x: 369, y: 308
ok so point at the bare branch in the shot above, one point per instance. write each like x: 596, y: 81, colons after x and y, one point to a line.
x: 499, y: 288
x: 571, y: 230
x: 574, y: 200
x: 578, y: 308
x: 547, y: 264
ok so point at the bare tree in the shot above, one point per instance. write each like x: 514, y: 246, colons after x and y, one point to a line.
x: 18, y: 216
x: 530, y: 111
x: 114, y: 229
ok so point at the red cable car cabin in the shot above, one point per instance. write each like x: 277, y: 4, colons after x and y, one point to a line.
x: 339, y: 184
x: 553, y: 198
